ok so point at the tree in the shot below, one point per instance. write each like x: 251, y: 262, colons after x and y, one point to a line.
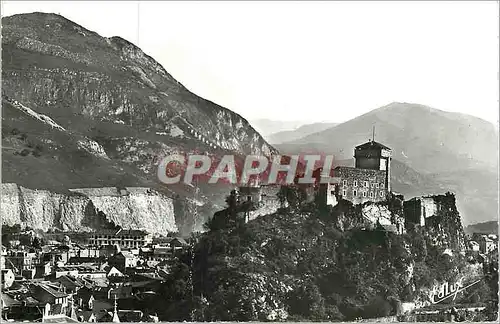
x: 226, y: 218
x: 38, y: 242
x: 378, y: 307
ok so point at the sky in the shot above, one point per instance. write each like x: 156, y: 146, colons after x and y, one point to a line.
x: 314, y: 61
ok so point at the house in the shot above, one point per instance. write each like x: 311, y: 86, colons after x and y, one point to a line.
x: 123, y: 260
x: 21, y: 260
x: 2, y: 257
x: 108, y: 250
x: 54, y: 316
x: 70, y: 284
x: 114, y: 272
x: 43, y: 269
x: 473, y: 246
x: 88, y: 253
x: 66, y: 271
x: 493, y: 237
x: 8, y: 304
x: 486, y: 245
x: 178, y: 243
x: 8, y: 278
x: 85, y: 298
x: 29, y: 274
x: 46, y: 294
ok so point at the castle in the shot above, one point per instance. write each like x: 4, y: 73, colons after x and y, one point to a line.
x: 368, y: 180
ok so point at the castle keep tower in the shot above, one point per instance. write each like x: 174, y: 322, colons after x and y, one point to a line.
x: 369, y: 179
x: 374, y: 156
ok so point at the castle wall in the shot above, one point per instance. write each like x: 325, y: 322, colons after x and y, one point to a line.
x: 418, y: 209
x: 439, y: 215
x: 328, y: 193
x: 428, y: 207
x: 361, y: 185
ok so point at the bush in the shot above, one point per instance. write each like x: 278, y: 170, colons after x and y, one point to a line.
x: 24, y: 152
x: 422, y: 275
x: 378, y: 307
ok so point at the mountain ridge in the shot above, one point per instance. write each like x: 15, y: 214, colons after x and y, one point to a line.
x: 81, y: 110
x: 299, y: 132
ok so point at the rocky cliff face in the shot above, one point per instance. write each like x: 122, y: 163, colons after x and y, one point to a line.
x: 138, y: 208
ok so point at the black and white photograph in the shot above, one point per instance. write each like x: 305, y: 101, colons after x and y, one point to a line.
x: 249, y: 161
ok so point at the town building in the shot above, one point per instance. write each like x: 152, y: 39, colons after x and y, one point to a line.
x: 2, y: 257
x: 49, y: 295
x: 7, y: 278
x: 123, y: 238
x: 21, y: 260
x: 474, y: 246
x: 486, y: 244
x: 123, y: 260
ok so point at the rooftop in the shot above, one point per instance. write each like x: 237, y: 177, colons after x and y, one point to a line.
x: 120, y: 231
x: 372, y: 144
x: 53, y: 292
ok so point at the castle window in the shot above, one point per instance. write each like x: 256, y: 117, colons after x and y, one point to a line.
x: 344, y: 193
x: 355, y: 183
x: 371, y: 194
x: 382, y: 185
x: 367, y: 185
x: 344, y: 183
x: 381, y: 194
x: 376, y: 185
x: 364, y: 193
x: 354, y: 193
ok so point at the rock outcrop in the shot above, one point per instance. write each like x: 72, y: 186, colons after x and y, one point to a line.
x: 138, y: 208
